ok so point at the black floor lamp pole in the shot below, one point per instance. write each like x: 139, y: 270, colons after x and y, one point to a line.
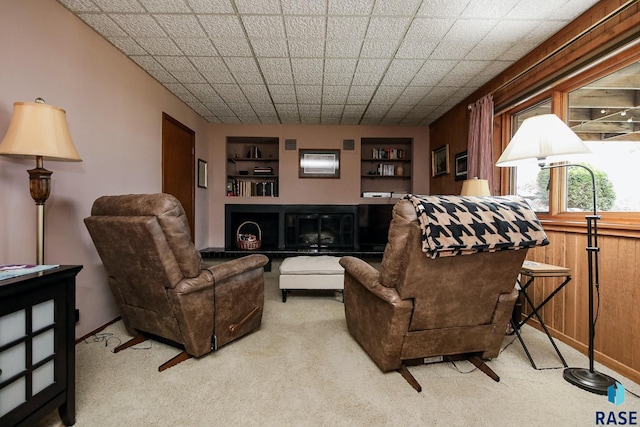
x: 590, y: 379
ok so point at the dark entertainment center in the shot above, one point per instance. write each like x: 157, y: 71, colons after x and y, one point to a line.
x: 287, y: 230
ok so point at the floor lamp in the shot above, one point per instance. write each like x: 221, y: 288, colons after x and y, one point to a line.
x: 39, y: 130
x: 546, y: 138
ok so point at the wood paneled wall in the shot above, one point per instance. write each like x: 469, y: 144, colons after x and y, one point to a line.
x: 617, y: 334
x: 598, y: 32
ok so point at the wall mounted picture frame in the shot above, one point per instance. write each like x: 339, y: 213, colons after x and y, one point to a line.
x: 440, y: 161
x: 460, y: 166
x: 202, y: 173
x: 319, y: 164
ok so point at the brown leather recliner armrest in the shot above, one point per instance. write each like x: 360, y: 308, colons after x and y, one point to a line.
x: 368, y: 276
x: 237, y: 266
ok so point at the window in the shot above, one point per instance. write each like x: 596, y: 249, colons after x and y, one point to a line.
x: 606, y: 115
x: 527, y: 176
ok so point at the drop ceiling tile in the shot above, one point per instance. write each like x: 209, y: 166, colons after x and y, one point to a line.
x: 222, y: 26
x: 312, y: 110
x: 250, y: 77
x: 572, y: 9
x: 397, y: 7
x: 242, y: 65
x: 125, y: 6
x: 181, y: 25
x: 479, y: 9
x: 337, y: 79
x: 401, y: 71
x: 379, y: 48
x: 230, y: 93
x: 340, y: 65
x: 454, y: 80
x: 429, y: 29
x: 162, y: 76
x: 209, y: 6
x: 258, y: 7
x: 372, y: 66
x: 242, y: 109
x: 332, y: 110
x: 232, y: 46
x: 469, y: 30
x: 138, y: 25
x: 350, y: 7
x: 297, y: 7
x: 452, y: 50
x: 204, y: 93
x: 78, y: 6
x: 199, y: 108
x: 442, y: 8
x: 343, y: 48
x: 309, y: 94
x: 290, y: 110
x: 166, y: 6
x: 210, y: 64
x: 382, y: 27
x: 264, y: 109
x: 354, y: 110
x: 188, y: 76
x: 312, y: 27
x: 147, y: 62
x: 274, y: 48
x: 127, y: 45
x: 415, y: 49
x: 221, y: 110
x: 103, y: 24
x: 196, y: 46
x: 335, y: 94
x: 256, y: 93
x: 488, y: 49
x: 347, y: 27
x: 175, y: 63
x: 362, y: 91
x: 159, y: 46
x: 177, y: 88
x: 306, y: 48
x: 267, y: 27
x: 276, y: 70
x: 187, y: 97
x: 307, y: 70
x: 366, y: 79
x: 283, y: 94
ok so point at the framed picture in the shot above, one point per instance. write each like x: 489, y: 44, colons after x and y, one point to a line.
x: 460, y: 166
x: 202, y: 173
x: 319, y: 164
x: 440, y: 161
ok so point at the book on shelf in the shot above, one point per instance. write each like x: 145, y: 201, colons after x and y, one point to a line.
x: 9, y: 271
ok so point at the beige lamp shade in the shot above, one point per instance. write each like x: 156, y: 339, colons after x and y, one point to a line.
x: 39, y: 130
x: 475, y: 187
x: 544, y: 137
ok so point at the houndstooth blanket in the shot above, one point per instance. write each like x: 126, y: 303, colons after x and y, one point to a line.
x: 462, y: 225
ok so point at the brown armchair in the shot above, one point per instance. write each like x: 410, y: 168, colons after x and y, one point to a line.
x: 159, y: 283
x: 418, y: 307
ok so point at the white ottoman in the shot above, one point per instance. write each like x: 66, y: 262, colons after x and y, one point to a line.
x: 311, y: 272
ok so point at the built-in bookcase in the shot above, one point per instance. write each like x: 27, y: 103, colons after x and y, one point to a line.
x: 252, y: 166
x: 385, y: 166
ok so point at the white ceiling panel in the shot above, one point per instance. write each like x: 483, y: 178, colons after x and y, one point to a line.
x: 392, y: 62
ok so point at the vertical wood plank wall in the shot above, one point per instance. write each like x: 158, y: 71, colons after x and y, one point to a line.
x: 617, y: 336
x: 617, y: 340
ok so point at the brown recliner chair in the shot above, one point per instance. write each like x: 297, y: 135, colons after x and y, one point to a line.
x: 418, y: 307
x: 159, y: 283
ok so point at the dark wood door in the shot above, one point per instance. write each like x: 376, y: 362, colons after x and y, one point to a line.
x: 178, y: 164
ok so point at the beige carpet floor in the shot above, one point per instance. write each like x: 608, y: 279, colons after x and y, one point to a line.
x: 302, y: 368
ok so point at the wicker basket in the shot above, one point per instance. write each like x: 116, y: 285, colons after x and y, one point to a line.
x: 247, y: 241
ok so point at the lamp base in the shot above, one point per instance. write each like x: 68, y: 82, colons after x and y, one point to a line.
x: 593, y: 381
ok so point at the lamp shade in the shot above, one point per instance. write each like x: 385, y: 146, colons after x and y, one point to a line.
x: 544, y: 137
x: 39, y: 130
x: 475, y: 187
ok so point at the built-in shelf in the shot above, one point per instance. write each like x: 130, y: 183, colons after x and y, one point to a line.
x: 252, y: 166
x: 385, y: 165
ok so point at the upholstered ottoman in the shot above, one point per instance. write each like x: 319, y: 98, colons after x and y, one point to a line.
x: 311, y: 272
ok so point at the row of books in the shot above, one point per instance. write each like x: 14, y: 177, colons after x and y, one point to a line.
x: 245, y: 188
x: 387, y: 153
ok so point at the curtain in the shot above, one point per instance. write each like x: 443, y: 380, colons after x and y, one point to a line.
x: 480, y: 142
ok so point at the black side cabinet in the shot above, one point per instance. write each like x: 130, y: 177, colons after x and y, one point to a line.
x: 37, y: 340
